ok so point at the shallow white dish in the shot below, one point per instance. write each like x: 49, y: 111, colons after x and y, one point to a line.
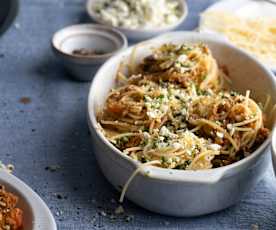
x: 86, y: 36
x: 140, y: 34
x: 178, y: 192
x: 244, y: 8
x: 36, y: 214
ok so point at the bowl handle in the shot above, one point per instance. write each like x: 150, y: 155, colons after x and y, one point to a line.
x: 201, y: 177
x: 273, y: 150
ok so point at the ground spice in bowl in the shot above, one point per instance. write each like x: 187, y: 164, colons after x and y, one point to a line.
x: 87, y: 52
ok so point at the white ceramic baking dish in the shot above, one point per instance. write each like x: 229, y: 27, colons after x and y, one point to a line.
x: 178, y: 192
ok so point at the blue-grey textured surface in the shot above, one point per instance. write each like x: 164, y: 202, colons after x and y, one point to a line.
x: 52, y: 130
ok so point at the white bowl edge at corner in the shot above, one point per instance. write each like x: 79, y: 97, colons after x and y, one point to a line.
x: 37, y: 214
x: 141, y: 34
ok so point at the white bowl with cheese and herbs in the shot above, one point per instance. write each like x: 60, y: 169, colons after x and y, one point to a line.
x: 170, y: 135
x: 139, y: 20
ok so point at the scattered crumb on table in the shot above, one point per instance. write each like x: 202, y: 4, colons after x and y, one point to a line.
x: 25, y: 100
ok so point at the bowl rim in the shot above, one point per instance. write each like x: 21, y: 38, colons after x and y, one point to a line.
x: 193, y: 176
x: 154, y: 30
x: 93, y: 27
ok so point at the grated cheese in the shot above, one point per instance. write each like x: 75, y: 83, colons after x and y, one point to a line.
x: 138, y: 14
x: 255, y: 35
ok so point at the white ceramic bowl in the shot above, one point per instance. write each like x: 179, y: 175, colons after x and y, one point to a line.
x: 86, y: 36
x: 140, y: 34
x: 178, y: 192
x: 36, y: 215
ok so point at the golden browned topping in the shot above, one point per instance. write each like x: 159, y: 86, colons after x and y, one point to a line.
x: 11, y: 218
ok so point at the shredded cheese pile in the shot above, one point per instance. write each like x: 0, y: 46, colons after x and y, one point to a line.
x: 255, y: 35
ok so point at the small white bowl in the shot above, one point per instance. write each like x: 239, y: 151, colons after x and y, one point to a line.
x: 36, y: 214
x: 86, y: 36
x: 140, y: 33
x: 179, y: 192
